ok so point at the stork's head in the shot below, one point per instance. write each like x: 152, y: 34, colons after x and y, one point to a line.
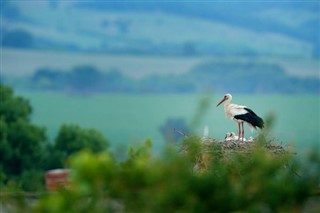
x: 226, y: 97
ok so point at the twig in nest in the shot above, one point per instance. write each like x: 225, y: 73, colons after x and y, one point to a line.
x: 180, y: 132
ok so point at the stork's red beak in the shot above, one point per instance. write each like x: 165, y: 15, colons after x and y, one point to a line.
x: 223, y: 99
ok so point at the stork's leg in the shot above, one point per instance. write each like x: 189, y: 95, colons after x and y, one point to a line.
x: 242, y: 131
x: 239, y: 131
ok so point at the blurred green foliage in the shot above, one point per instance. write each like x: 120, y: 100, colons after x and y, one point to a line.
x: 72, y: 138
x: 25, y: 152
x: 242, y: 182
x: 22, y: 144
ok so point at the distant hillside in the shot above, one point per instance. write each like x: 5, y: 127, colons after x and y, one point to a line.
x: 289, y: 29
x: 234, y: 77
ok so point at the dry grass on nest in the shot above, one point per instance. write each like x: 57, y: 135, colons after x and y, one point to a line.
x: 209, y: 148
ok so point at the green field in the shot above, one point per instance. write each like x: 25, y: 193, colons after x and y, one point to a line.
x: 130, y: 119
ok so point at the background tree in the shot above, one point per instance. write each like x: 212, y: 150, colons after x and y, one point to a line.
x: 22, y: 144
x: 18, y: 38
x: 72, y: 138
x: 85, y: 78
x: 168, y: 129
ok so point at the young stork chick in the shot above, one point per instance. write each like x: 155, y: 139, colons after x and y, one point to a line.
x: 240, y: 114
x: 230, y: 136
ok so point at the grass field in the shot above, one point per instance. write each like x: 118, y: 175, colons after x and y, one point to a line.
x: 130, y: 119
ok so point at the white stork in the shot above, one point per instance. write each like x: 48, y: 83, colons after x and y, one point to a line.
x: 240, y: 114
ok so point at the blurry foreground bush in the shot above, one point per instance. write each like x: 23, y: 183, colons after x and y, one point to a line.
x: 258, y: 181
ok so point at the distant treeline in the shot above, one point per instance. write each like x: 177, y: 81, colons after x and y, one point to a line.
x: 244, y: 77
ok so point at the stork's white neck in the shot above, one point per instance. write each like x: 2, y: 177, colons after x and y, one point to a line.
x: 227, y: 102
x: 226, y: 108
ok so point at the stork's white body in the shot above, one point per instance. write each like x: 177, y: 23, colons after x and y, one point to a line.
x: 232, y: 110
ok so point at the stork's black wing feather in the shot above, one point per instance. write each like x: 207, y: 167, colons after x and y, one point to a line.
x: 250, y: 111
x: 251, y: 118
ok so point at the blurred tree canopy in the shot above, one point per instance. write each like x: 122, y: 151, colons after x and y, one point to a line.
x: 85, y: 78
x: 205, y: 76
x: 25, y: 152
x: 72, y: 138
x: 171, y: 125
x: 81, y: 79
x: 18, y: 38
x: 22, y: 143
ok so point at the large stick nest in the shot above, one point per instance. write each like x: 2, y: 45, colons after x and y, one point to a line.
x: 242, y: 146
x: 208, y: 147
